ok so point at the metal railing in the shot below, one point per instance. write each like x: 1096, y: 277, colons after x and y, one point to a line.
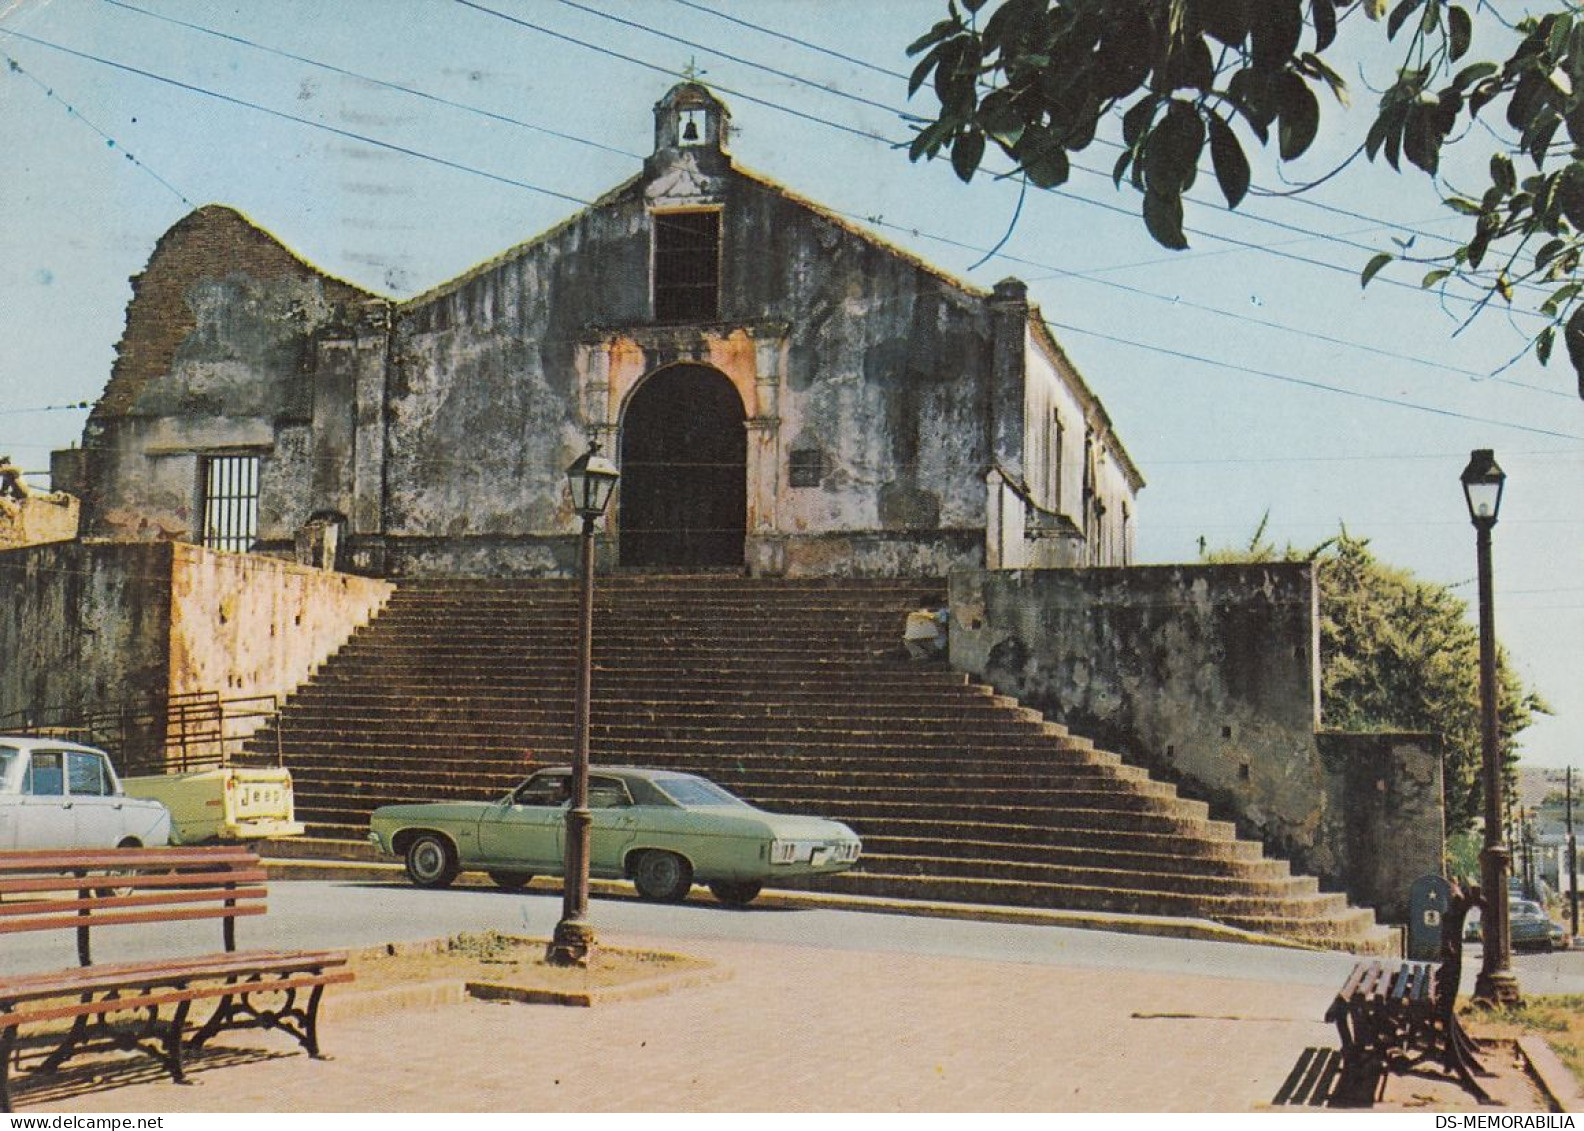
x: 159, y: 734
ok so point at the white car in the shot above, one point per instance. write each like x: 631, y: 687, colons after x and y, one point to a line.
x: 56, y: 794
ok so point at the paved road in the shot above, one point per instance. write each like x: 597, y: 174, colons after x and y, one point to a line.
x: 351, y: 915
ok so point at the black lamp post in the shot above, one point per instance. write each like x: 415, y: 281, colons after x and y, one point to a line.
x: 1483, y: 480
x: 592, y: 478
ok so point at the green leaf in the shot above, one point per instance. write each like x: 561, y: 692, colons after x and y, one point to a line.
x: 1434, y: 277
x: 1299, y: 118
x: 1231, y: 166
x: 1404, y: 9
x: 1472, y: 74
x: 1460, y: 31
x: 1573, y: 336
x: 1543, y: 344
x: 1163, y: 216
x: 1323, y: 13
x: 1373, y: 267
x: 1275, y: 29
x: 1502, y: 173
x: 966, y: 153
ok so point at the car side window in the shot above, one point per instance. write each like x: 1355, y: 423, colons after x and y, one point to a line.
x: 545, y: 789
x: 86, y: 774
x: 607, y: 793
x: 45, y: 777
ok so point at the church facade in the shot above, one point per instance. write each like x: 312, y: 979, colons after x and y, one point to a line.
x: 784, y: 393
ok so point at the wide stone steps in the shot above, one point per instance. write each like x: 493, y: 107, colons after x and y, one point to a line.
x: 1303, y: 913
x: 796, y: 696
x: 1092, y: 874
x: 963, y: 848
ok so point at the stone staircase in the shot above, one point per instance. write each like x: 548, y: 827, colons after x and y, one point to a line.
x: 795, y: 695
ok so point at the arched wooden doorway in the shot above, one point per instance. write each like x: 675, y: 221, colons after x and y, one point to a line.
x: 684, y: 465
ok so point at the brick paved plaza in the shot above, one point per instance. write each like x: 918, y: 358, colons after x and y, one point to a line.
x: 795, y: 1029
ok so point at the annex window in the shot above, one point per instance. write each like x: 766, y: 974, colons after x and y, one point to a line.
x: 806, y: 468
x: 686, y: 266
x: 230, y: 502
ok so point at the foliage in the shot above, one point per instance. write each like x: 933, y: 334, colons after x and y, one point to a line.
x: 1463, y: 855
x: 1040, y: 79
x: 1398, y: 653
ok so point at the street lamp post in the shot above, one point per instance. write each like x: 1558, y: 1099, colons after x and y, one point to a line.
x: 1483, y: 480
x: 592, y: 478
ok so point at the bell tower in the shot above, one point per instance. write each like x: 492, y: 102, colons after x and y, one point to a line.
x: 691, y: 125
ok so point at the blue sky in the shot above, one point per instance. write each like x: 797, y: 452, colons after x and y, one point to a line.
x: 1248, y: 375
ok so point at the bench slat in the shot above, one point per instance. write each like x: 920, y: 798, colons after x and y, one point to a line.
x: 120, y: 878
x: 74, y: 978
x: 99, y: 907
x: 169, y: 997
x: 118, y: 919
x: 66, y: 860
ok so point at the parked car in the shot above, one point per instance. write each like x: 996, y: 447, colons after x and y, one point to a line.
x: 1527, y: 926
x: 662, y: 829
x: 56, y: 794
x: 1530, y: 926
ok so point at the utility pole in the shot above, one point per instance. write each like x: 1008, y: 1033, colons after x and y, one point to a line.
x: 1572, y: 851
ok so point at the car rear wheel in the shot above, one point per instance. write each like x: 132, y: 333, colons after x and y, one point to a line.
x: 511, y: 881
x: 663, y: 876
x: 431, y: 861
x: 736, y: 893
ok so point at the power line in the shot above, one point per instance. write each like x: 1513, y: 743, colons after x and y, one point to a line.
x: 459, y: 166
x: 1376, y: 221
x: 360, y: 76
x: 1306, y: 383
x: 339, y: 132
x: 1267, y: 249
x: 1177, y: 301
x: 111, y: 142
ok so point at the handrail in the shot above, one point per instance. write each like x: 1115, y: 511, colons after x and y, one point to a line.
x: 182, y: 732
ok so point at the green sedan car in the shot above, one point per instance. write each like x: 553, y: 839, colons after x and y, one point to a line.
x: 663, y: 830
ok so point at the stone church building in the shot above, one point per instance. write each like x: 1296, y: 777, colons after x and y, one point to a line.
x: 784, y: 393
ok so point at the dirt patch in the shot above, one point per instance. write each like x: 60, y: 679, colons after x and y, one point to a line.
x: 1557, y: 1019
x: 510, y: 962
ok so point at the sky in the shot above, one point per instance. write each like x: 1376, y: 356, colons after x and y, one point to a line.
x: 396, y: 143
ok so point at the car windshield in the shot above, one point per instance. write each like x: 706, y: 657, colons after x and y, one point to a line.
x: 696, y: 791
x: 1528, y: 910
x: 8, y: 759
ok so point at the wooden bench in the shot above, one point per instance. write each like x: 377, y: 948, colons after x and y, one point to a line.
x: 1395, y: 1016
x: 145, y: 1005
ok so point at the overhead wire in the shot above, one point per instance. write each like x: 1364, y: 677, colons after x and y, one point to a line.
x: 578, y: 200
x: 1266, y: 323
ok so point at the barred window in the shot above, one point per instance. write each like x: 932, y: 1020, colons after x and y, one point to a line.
x: 230, y: 502
x: 686, y: 266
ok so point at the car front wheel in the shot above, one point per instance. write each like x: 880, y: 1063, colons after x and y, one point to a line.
x: 431, y: 861
x: 736, y: 893
x: 663, y: 876
x: 511, y: 881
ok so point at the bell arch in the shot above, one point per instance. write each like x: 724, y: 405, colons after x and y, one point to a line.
x: 684, y: 464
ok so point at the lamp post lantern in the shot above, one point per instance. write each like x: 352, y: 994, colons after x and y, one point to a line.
x: 591, y: 478
x: 1483, y: 480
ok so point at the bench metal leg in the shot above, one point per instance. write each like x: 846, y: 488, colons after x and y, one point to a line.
x: 8, y: 1040
x: 237, y: 1010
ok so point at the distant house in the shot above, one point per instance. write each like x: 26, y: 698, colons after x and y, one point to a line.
x: 784, y: 393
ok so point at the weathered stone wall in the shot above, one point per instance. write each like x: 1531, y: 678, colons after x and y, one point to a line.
x: 1383, y: 814
x: 88, y: 626
x: 246, y: 626
x: 83, y: 624
x: 1209, y: 675
x: 43, y: 516
x: 218, y: 354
